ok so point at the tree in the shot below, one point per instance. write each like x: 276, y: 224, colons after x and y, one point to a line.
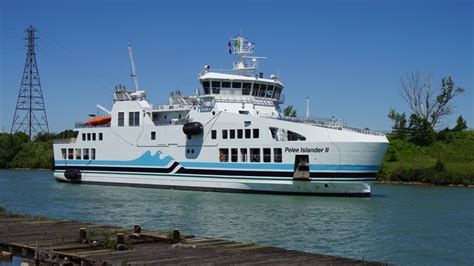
x: 418, y: 93
x: 399, y: 123
x: 461, y: 124
x: 289, y: 111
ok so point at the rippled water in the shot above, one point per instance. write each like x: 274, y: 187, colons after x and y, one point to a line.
x: 400, y: 224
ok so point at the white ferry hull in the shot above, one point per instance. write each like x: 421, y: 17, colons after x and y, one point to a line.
x: 270, y: 185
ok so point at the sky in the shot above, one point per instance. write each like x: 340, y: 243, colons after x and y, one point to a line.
x: 347, y: 56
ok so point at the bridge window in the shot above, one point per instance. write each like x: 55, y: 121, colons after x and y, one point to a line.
x: 255, y: 155
x: 133, y: 119
x: 262, y: 91
x: 223, y: 155
x: 277, y: 93
x: 236, y: 85
x: 205, y: 86
x: 246, y: 88
x: 213, y: 134
x: 269, y: 92
x: 277, y: 155
x: 121, y: 119
x: 233, y: 155
x: 225, y: 84
x: 216, y: 87
x: 256, y: 87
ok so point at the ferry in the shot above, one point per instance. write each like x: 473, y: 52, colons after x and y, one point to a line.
x: 230, y: 136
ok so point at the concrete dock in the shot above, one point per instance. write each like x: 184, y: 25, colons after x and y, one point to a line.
x: 47, y: 241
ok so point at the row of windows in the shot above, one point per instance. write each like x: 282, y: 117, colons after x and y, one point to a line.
x: 78, y: 154
x: 257, y: 89
x: 252, y: 155
x: 237, y: 133
x: 133, y: 119
x: 91, y: 136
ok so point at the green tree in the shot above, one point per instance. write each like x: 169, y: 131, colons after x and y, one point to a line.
x: 10, y: 145
x: 423, y: 133
x: 289, y: 111
x: 399, y: 123
x: 461, y: 124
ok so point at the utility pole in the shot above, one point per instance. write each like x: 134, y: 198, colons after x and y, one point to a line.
x: 30, y: 113
x: 307, y: 107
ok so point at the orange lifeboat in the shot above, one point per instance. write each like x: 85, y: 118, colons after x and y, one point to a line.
x: 99, y: 121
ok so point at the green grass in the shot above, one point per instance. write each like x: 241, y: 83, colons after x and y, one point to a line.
x: 405, y: 161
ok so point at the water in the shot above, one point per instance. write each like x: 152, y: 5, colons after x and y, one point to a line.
x: 400, y: 224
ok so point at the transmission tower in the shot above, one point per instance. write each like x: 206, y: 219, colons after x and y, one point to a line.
x: 30, y: 113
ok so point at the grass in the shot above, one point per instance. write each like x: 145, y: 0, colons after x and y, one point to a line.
x: 444, y: 162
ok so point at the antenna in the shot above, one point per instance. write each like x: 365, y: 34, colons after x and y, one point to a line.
x: 134, y: 73
x: 307, y: 107
x: 243, y: 48
x: 30, y: 112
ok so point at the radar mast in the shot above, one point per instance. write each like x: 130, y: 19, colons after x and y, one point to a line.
x: 243, y: 48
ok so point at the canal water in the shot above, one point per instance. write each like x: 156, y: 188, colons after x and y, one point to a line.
x: 400, y: 224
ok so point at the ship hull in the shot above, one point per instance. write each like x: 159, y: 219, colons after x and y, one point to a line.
x: 333, y: 186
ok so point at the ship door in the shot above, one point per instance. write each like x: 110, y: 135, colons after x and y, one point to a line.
x: 301, y: 168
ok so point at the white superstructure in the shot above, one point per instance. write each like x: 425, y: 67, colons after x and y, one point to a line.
x: 229, y: 136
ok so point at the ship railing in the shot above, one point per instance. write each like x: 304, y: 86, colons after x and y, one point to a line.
x: 84, y: 125
x: 168, y: 107
x: 331, y: 122
x: 64, y: 141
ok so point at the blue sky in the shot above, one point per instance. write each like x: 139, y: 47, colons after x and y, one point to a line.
x: 347, y: 56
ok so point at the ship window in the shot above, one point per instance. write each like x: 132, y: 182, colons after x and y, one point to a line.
x: 244, y: 112
x: 269, y: 93
x: 232, y: 133
x: 256, y: 86
x: 267, y: 156
x: 92, y: 154
x: 63, y: 153
x: 101, y: 136
x: 256, y: 133
x: 153, y: 135
x: 255, y: 155
x: 233, y: 155
x: 121, y: 119
x: 262, y: 90
x: 134, y: 119
x: 243, y: 155
x: 84, y: 136
x: 240, y: 133
x: 88, y: 136
x: 86, y: 154
x: 205, y: 85
x: 78, y: 154
x: 70, y: 154
x: 93, y: 136
x: 293, y: 136
x: 246, y: 88
x: 216, y: 87
x: 274, y: 133
x: 236, y: 85
x: 277, y: 158
x: 223, y: 155
x: 224, y: 133
x: 213, y: 134
x: 225, y: 84
x: 247, y: 133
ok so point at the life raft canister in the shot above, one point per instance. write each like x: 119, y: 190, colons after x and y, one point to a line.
x: 193, y: 128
